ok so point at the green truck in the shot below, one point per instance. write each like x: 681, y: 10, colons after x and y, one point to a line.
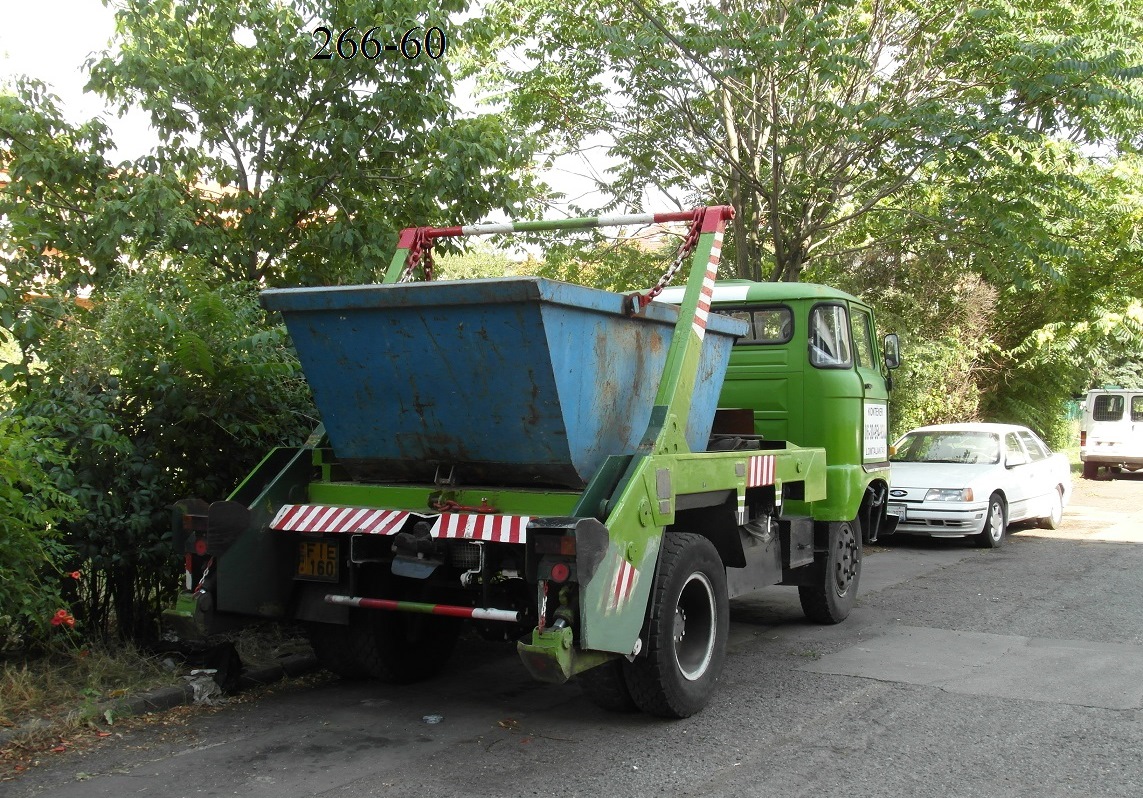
x: 591, y: 475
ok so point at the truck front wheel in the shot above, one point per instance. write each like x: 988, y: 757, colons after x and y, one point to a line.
x: 837, y: 571
x: 687, y: 630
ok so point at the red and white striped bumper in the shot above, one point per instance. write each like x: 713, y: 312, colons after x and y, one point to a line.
x: 328, y: 519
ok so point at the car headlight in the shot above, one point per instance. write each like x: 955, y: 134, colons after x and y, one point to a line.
x: 949, y: 495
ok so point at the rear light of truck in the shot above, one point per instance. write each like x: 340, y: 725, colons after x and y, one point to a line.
x: 1083, y: 437
x: 561, y: 545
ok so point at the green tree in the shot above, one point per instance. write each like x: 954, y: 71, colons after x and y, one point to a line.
x: 273, y: 167
x: 809, y: 116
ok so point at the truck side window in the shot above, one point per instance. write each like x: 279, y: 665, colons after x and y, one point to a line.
x: 829, y: 337
x: 1137, y: 408
x: 862, y: 340
x: 1108, y: 407
x: 773, y: 325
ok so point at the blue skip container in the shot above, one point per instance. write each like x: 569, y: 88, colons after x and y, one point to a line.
x: 513, y: 382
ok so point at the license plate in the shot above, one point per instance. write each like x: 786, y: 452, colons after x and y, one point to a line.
x: 897, y: 510
x: 317, y: 560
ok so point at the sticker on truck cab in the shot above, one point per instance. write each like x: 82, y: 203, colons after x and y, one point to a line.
x: 876, y: 432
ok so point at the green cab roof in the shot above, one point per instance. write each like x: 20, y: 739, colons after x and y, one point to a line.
x: 729, y: 292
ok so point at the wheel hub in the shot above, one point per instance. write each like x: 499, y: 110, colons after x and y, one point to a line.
x: 696, y: 615
x: 848, y: 558
x: 995, y: 521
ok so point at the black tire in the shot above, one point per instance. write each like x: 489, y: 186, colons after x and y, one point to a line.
x: 393, y: 647
x: 606, y: 687
x: 1090, y: 470
x: 995, y: 524
x: 345, y: 651
x: 1056, y: 515
x: 837, y: 573
x: 677, y: 674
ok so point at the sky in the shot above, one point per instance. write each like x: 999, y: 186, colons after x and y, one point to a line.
x: 49, y: 40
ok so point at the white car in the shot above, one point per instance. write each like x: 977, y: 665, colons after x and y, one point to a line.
x: 957, y: 480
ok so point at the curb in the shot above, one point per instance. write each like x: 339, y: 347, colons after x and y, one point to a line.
x: 169, y: 697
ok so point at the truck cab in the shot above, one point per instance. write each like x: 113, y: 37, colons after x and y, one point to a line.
x: 810, y: 371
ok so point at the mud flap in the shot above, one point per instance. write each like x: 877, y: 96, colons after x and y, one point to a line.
x: 550, y: 656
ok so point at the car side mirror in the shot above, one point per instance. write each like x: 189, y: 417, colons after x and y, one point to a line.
x: 1014, y: 459
x: 892, y: 351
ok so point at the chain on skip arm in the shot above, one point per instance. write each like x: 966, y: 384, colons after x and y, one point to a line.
x: 420, y: 248
x: 641, y: 300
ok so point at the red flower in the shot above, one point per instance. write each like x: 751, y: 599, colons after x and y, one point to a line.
x: 74, y: 574
x: 63, y: 617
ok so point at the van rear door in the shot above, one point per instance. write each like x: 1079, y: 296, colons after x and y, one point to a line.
x: 1112, y: 431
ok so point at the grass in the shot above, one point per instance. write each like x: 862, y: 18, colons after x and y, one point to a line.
x: 59, y: 702
x: 66, y: 689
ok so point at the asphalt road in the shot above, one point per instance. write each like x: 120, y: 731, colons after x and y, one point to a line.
x: 962, y: 672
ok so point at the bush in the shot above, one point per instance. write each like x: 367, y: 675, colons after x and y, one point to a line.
x: 935, y: 384
x: 32, y: 554
x: 165, y: 389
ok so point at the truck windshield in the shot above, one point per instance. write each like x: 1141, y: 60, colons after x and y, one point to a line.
x: 948, y: 447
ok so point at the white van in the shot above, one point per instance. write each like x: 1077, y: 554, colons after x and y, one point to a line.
x: 1111, y: 432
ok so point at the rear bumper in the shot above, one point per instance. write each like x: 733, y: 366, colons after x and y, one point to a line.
x: 1112, y: 459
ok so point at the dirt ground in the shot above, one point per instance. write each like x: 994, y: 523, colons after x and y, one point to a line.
x: 1104, y: 509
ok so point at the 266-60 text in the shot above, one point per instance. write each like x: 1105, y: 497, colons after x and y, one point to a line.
x: 433, y: 44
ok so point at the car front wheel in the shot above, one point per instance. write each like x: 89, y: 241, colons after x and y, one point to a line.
x: 1055, y: 511
x: 995, y: 525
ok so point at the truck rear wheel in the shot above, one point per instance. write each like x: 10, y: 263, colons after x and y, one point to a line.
x: 342, y: 650
x: 837, y: 571
x: 393, y: 647
x: 686, y: 632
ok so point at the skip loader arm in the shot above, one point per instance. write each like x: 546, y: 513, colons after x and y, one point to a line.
x: 637, y: 497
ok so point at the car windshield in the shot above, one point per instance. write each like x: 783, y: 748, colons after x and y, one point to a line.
x: 948, y: 447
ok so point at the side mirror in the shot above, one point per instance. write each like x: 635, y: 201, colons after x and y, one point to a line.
x: 892, y: 351
x: 1015, y: 459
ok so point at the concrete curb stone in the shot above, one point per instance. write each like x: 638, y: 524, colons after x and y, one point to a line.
x: 169, y: 697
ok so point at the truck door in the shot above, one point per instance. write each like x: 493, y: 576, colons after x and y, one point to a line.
x: 875, y: 433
